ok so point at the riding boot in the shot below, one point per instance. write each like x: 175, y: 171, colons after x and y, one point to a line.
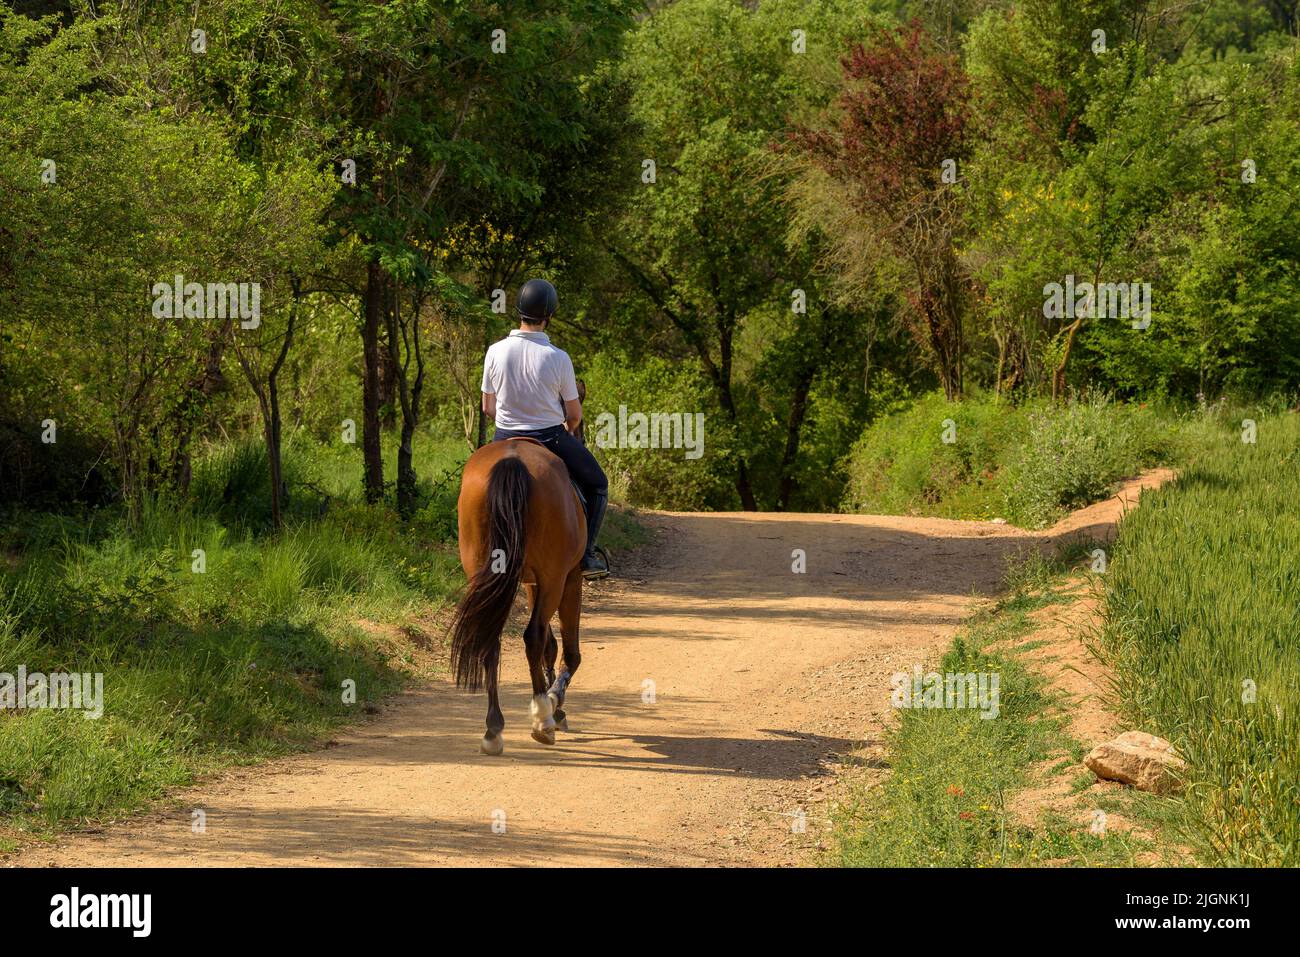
x: 592, y: 566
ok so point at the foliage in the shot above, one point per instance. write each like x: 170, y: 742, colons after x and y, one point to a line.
x: 897, y: 138
x: 657, y: 478
x: 1026, y: 463
x: 243, y: 660
x: 703, y: 242
x: 1071, y: 456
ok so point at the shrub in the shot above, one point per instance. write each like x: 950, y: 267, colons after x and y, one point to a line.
x: 659, y: 478
x: 1072, y: 454
x: 902, y: 465
x: 1028, y: 463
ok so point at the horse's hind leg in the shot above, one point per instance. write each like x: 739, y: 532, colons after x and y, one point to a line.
x: 493, y: 743
x: 552, y: 649
x: 570, y: 613
x: 545, y: 598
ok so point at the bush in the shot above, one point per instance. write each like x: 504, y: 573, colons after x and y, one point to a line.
x: 901, y: 464
x: 1028, y: 463
x: 659, y: 478
x: 1073, y: 454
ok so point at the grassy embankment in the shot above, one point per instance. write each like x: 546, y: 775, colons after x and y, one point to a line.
x: 1029, y: 463
x: 1203, y: 633
x: 949, y: 796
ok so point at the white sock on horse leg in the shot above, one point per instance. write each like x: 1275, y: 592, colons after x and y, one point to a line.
x: 542, y: 712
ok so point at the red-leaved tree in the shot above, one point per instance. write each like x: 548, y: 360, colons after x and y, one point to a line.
x: 894, y: 142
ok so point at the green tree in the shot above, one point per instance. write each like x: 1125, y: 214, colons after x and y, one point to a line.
x: 704, y: 237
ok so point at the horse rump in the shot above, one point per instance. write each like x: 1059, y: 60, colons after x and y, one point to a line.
x: 482, y: 612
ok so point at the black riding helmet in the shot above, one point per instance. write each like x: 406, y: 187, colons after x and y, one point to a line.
x: 537, y: 300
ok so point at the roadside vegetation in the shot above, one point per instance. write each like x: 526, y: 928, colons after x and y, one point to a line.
x: 1028, y: 463
x: 840, y: 233
x: 1196, y: 625
x: 949, y: 794
x: 1201, y: 631
x: 219, y: 643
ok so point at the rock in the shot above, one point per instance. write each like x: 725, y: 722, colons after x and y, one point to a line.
x: 1146, y: 762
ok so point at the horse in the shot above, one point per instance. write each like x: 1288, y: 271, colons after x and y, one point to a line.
x: 520, y: 521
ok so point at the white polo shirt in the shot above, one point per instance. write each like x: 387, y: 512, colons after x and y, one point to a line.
x: 531, y: 379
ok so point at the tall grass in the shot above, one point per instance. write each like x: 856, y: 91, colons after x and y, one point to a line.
x: 953, y: 774
x: 237, y: 658
x: 1203, y: 631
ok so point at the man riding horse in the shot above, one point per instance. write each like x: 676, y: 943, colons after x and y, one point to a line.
x: 521, y: 522
x: 530, y: 391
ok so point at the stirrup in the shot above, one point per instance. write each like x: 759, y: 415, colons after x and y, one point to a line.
x: 596, y: 565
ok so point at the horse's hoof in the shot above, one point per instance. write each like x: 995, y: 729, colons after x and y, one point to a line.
x: 562, y: 724
x: 492, y: 745
x: 544, y: 735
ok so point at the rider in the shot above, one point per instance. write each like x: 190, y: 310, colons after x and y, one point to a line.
x: 529, y: 390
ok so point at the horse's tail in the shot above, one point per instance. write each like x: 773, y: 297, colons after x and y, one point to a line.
x: 482, y: 614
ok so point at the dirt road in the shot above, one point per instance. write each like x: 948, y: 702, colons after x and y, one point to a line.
x: 763, y: 681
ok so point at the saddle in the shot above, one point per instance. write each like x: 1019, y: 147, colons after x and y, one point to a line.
x: 582, y: 499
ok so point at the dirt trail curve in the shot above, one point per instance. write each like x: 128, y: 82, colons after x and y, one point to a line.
x: 763, y: 681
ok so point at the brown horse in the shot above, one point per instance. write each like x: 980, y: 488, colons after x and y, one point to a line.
x: 520, y: 522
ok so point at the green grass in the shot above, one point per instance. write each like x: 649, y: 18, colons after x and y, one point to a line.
x: 952, y: 773
x: 241, y: 661
x: 622, y: 532
x: 1203, y: 595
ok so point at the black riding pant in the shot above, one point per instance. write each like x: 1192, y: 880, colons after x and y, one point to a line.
x: 582, y: 465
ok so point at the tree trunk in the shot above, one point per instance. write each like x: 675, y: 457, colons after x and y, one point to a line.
x: 271, y: 432
x: 794, y: 427
x: 482, y: 419
x: 723, y: 381
x: 273, y: 447
x: 387, y: 384
x: 370, y: 384
x: 268, y: 402
x: 403, y: 346
x: 1058, y: 374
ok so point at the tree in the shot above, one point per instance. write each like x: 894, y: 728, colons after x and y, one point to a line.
x: 114, y: 202
x: 898, y: 138
x: 442, y: 103
x: 703, y: 240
